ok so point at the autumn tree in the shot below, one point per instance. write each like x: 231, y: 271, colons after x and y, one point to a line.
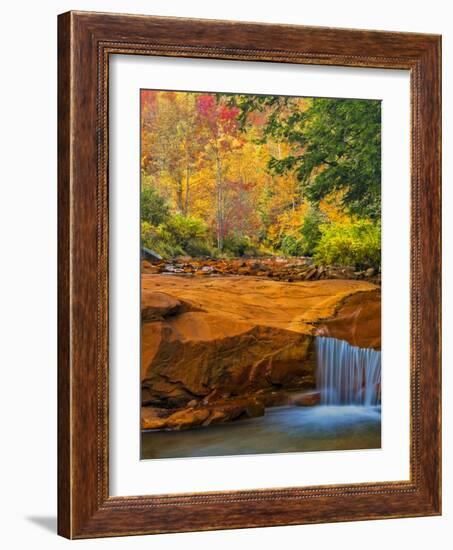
x: 221, y: 139
x: 170, y: 129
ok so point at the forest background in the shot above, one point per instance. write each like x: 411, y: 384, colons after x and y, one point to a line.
x: 242, y: 175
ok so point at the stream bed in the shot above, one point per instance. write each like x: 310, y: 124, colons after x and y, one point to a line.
x: 281, y: 429
x: 347, y: 418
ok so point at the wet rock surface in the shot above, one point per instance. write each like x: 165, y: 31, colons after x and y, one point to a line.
x: 357, y: 320
x: 280, y: 269
x: 221, y: 348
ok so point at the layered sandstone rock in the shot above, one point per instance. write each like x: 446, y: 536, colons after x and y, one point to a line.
x: 220, y: 348
x: 201, y: 414
x: 357, y: 320
x: 296, y: 306
x: 197, y: 354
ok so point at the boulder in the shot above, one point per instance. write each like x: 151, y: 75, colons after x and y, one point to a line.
x: 157, y: 305
x: 184, y: 418
x: 254, y: 409
x: 209, y: 356
x: 148, y: 254
x: 154, y: 418
x: 149, y: 268
x: 305, y: 399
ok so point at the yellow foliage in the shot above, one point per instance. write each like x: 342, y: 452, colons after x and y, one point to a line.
x: 287, y: 224
x: 330, y: 207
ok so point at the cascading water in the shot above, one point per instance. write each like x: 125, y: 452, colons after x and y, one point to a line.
x: 349, y: 418
x: 347, y: 375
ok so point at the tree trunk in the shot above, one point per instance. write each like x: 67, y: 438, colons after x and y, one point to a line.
x: 219, y: 191
x: 179, y: 194
x: 186, y: 198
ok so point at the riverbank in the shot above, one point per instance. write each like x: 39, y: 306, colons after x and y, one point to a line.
x: 275, y: 268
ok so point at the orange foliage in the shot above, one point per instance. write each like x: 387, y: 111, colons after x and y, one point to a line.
x: 204, y: 165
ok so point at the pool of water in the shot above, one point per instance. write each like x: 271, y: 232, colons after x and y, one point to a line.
x: 281, y: 429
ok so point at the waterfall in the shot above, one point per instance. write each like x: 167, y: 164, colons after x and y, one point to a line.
x: 346, y: 374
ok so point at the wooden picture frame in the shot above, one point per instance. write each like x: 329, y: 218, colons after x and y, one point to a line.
x: 85, y: 42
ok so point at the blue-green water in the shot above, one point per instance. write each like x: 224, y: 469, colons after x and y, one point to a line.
x: 281, y: 429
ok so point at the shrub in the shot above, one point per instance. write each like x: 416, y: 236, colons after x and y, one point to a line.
x: 190, y: 234
x: 303, y: 239
x: 355, y: 244
x: 179, y: 235
x: 184, y: 228
x: 153, y: 208
x: 159, y: 240
x: 292, y: 246
x: 239, y: 245
x: 310, y: 230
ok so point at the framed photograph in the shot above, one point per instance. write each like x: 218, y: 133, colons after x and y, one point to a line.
x: 249, y: 275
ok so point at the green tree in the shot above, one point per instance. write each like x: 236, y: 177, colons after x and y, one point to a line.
x: 153, y: 208
x: 335, y: 147
x: 310, y: 230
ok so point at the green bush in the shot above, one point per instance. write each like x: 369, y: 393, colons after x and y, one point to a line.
x: 153, y: 208
x: 310, y: 231
x: 179, y: 235
x: 304, y: 240
x: 159, y: 240
x: 355, y: 244
x: 190, y: 234
x: 184, y: 228
x: 292, y: 246
x: 239, y: 245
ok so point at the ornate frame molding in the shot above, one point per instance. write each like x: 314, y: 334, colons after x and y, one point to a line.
x: 86, y: 40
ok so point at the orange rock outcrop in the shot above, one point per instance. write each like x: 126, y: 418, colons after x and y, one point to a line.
x: 216, y: 348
